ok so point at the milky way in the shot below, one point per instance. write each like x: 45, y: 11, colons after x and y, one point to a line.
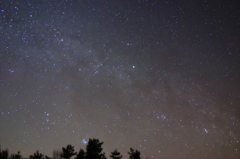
x: 159, y: 76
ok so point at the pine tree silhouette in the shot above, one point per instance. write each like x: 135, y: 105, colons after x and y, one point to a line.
x: 16, y: 156
x: 68, y: 152
x: 3, y: 153
x: 36, y: 155
x: 116, y: 155
x: 134, y: 154
x: 81, y: 154
x: 46, y: 157
x: 103, y: 156
x: 94, y: 149
x: 56, y: 154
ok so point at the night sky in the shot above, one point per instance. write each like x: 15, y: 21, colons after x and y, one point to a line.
x: 161, y: 76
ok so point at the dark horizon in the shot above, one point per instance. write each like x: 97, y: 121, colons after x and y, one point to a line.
x: 93, y: 149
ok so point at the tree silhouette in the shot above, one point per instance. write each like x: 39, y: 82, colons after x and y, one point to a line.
x: 57, y: 154
x: 16, y: 156
x: 134, y: 154
x: 81, y: 154
x: 3, y: 153
x: 116, y: 155
x: 94, y: 149
x: 103, y: 156
x: 47, y: 157
x: 68, y: 152
x: 36, y: 155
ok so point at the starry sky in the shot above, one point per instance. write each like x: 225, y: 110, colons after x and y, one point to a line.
x: 161, y: 76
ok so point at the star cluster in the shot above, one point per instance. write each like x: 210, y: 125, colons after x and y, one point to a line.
x: 159, y: 76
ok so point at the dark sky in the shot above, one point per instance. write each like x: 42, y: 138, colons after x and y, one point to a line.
x: 161, y: 76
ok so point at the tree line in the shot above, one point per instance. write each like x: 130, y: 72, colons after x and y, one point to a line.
x: 93, y: 151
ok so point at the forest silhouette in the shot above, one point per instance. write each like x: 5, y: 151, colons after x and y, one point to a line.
x: 93, y: 151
